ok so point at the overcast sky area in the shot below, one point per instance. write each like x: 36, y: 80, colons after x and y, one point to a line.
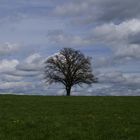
x: 107, y: 30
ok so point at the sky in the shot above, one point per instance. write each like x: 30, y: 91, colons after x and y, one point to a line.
x: 106, y: 30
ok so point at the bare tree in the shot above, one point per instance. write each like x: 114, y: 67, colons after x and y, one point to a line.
x: 69, y: 67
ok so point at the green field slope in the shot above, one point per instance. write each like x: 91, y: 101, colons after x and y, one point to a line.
x: 69, y: 118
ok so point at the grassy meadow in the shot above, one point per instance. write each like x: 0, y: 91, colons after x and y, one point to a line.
x: 69, y: 118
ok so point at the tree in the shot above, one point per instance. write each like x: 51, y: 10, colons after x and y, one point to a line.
x: 69, y: 67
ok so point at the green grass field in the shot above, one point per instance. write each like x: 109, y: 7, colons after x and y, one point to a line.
x: 69, y: 118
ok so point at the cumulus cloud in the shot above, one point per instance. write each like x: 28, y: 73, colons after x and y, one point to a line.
x: 8, y: 65
x: 115, y: 36
x: 108, y: 33
x: 13, y: 80
x: 32, y: 63
x: 18, y: 76
x: 120, y: 32
x: 118, y: 38
x: 116, y: 33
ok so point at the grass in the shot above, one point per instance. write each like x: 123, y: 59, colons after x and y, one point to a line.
x: 69, y: 118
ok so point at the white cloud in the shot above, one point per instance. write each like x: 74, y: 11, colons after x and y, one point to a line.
x: 116, y: 34
x: 8, y: 65
x: 117, y: 38
x: 14, y: 85
x: 34, y: 58
x: 16, y: 73
x: 32, y: 63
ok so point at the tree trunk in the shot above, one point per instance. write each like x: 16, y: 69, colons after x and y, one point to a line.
x: 68, y: 89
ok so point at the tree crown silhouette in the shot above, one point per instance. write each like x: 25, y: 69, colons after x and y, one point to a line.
x: 69, y: 67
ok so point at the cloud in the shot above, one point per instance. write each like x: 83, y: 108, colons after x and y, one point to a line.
x: 8, y: 48
x: 71, y: 9
x: 89, y: 11
x: 10, y: 78
x: 117, y: 37
x: 13, y: 80
x: 111, y: 77
x: 113, y: 34
x: 17, y: 10
x: 31, y: 66
x: 99, y: 11
x: 8, y: 65
x: 23, y: 73
x: 128, y: 52
x: 134, y: 38
x: 32, y: 63
x: 102, y: 61
x: 14, y: 85
x: 62, y: 39
x: 108, y: 33
x: 21, y: 76
x: 131, y: 80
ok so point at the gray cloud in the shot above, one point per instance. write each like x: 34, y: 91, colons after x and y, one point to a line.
x: 100, y: 10
x: 17, y: 10
x: 128, y: 52
x: 134, y: 38
x: 9, y: 48
x: 119, y: 78
x: 11, y: 78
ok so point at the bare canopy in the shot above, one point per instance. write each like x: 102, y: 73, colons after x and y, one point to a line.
x: 69, y: 67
